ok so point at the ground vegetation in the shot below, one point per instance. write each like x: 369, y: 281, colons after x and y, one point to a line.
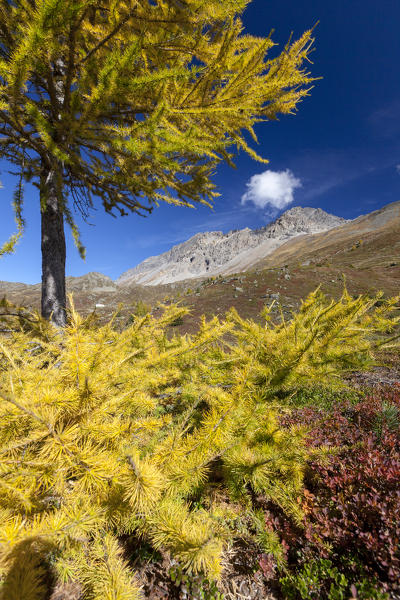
x: 117, y: 443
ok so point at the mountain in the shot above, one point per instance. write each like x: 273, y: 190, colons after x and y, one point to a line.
x: 365, y: 252
x: 214, y: 253
x: 375, y: 236
x: 90, y: 291
x: 94, y: 282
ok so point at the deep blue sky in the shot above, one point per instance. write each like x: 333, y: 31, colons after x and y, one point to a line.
x: 343, y: 145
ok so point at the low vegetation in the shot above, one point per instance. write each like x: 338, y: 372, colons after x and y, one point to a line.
x: 117, y: 444
x: 352, y: 503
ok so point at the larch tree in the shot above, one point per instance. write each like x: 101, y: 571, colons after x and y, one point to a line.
x: 130, y: 103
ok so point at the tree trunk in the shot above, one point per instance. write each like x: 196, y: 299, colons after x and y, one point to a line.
x: 53, y: 248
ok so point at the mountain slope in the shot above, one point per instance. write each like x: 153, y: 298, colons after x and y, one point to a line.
x: 213, y: 253
x: 365, y: 251
x: 375, y: 236
x: 365, y: 254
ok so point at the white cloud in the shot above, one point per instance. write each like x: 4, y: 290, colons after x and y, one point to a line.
x: 271, y: 189
x: 398, y: 168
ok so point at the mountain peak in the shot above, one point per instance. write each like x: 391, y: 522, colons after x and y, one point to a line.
x: 91, y: 281
x: 213, y: 252
x: 304, y: 219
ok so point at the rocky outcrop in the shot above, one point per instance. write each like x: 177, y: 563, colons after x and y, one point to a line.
x: 93, y: 282
x: 213, y: 253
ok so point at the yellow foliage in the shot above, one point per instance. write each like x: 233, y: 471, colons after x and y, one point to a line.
x: 106, y: 432
x: 136, y: 102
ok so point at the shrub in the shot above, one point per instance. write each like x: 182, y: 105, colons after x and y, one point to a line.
x: 141, y: 309
x: 176, y: 322
x: 356, y: 507
x: 352, y: 504
x: 320, y: 578
x: 194, y: 586
x: 106, y: 433
x: 323, y: 398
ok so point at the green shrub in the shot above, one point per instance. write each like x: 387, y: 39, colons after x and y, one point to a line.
x: 319, y: 579
x: 323, y: 398
x: 197, y: 587
x: 140, y: 309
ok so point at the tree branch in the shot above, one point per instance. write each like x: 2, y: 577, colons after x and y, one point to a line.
x: 106, y: 39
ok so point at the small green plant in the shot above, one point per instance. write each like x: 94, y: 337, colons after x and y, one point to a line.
x: 195, y: 587
x: 323, y: 398
x: 319, y: 579
x: 141, y: 309
x: 387, y: 419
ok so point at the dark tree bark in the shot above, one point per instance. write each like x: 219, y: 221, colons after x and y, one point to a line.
x: 53, y: 248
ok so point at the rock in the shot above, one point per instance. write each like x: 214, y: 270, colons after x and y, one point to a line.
x: 214, y: 253
x: 93, y: 282
x: 238, y: 289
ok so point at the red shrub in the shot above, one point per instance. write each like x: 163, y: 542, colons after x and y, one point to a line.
x: 356, y: 506
x: 352, y: 504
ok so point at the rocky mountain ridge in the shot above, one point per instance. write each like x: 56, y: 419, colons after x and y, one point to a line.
x: 93, y: 282
x: 365, y: 252
x: 213, y: 253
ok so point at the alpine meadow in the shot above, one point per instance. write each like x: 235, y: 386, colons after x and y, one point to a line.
x: 235, y: 453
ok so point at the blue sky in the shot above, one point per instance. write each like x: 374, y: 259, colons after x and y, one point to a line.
x: 340, y: 152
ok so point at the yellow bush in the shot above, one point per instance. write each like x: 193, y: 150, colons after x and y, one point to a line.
x: 104, y: 433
